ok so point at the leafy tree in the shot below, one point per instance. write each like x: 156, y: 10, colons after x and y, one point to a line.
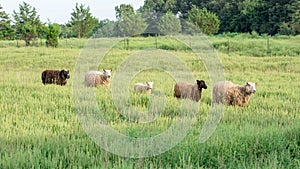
x: 132, y: 25
x: 152, y: 19
x: 124, y: 11
x: 206, y: 21
x: 169, y: 24
x: 188, y: 28
x: 27, y: 22
x: 262, y: 16
x: 295, y: 18
x: 129, y: 23
x: 160, y: 6
x: 82, y: 20
x: 292, y: 27
x: 66, y: 31
x: 106, y: 28
x: 6, y: 30
x: 52, y: 35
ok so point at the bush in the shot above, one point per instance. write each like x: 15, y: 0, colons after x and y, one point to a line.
x: 52, y: 35
x: 207, y: 21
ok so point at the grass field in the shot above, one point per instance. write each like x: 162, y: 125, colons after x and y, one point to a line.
x: 40, y: 129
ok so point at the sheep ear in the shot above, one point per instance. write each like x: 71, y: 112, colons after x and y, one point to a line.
x: 256, y: 83
x: 247, y: 84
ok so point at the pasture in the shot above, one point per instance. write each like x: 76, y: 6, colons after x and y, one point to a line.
x: 40, y: 129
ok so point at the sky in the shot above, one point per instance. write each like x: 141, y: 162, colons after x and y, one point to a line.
x: 59, y: 11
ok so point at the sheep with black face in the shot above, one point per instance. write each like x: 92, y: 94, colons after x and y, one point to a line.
x: 189, y: 91
x: 58, y: 77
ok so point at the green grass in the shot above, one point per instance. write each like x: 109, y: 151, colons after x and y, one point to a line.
x: 245, y: 45
x: 40, y: 129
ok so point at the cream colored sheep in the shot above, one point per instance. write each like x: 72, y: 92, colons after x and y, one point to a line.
x: 232, y: 94
x: 95, y: 78
x: 143, y: 88
x: 191, y: 91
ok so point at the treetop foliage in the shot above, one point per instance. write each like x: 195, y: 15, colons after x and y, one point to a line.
x: 6, y: 30
x: 169, y: 24
x: 124, y: 11
x: 269, y: 17
x: 82, y: 20
x: 27, y: 23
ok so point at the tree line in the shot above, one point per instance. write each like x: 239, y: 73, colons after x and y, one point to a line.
x: 262, y: 16
x: 26, y: 25
x: 158, y: 16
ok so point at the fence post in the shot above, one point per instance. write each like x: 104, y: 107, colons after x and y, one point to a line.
x: 94, y: 37
x: 156, y: 41
x: 66, y: 37
x: 268, y: 45
x: 124, y: 42
x: 127, y: 42
x: 228, y: 46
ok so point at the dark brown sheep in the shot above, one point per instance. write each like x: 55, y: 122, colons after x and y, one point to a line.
x: 58, y: 77
x: 191, y: 91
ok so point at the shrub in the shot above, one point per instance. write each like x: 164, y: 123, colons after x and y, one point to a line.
x: 52, y: 35
x: 207, y: 21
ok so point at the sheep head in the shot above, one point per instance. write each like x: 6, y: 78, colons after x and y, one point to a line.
x: 64, y: 74
x: 150, y: 85
x: 107, y: 72
x: 250, y: 87
x: 201, y: 84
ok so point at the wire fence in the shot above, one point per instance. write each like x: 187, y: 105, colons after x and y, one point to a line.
x: 238, y: 45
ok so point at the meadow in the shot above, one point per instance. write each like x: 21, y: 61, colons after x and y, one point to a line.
x: 41, y: 129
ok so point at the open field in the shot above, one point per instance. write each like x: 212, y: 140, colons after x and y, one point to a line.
x: 40, y: 129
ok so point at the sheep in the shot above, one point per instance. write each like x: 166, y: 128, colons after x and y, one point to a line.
x: 190, y: 91
x: 232, y: 94
x: 95, y: 78
x: 55, y: 76
x: 143, y: 88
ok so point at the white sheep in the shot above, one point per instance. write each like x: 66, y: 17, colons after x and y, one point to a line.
x: 143, y: 88
x: 95, y: 78
x: 191, y: 91
x: 232, y: 94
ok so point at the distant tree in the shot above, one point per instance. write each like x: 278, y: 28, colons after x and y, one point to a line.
x: 100, y: 24
x: 27, y: 23
x: 67, y: 31
x: 106, y: 28
x: 261, y: 16
x: 189, y: 28
x: 124, y: 10
x: 6, y: 30
x: 207, y: 21
x: 53, y: 32
x: 132, y: 25
x: 129, y: 23
x: 160, y: 6
x: 295, y: 21
x: 82, y: 20
x: 169, y: 24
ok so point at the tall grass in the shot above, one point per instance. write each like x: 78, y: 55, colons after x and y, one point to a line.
x: 254, y: 45
x: 39, y: 127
